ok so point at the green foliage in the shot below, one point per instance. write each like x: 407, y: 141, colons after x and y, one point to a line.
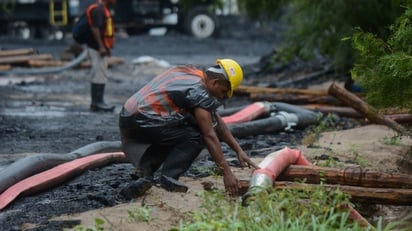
x: 321, y: 26
x: 7, y: 7
x: 260, y: 8
x: 98, y: 226
x: 140, y: 214
x: 384, y: 68
x: 392, y: 140
x: 318, y: 209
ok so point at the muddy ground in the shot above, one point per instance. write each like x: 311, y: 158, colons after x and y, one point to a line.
x: 51, y: 115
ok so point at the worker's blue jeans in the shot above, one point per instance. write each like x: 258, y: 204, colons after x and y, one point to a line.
x: 176, y: 147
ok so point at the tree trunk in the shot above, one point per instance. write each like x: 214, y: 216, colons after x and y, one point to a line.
x: 365, y: 109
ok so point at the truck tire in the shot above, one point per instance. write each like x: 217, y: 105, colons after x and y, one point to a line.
x: 201, y: 23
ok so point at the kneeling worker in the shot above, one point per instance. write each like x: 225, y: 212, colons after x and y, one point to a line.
x: 176, y: 114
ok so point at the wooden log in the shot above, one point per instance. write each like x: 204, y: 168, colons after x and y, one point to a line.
x: 401, y: 118
x: 17, y: 52
x: 46, y: 63
x: 389, y: 196
x: 365, y: 109
x: 5, y: 67
x: 57, y: 63
x: 352, y: 113
x: 353, y: 176
x: 297, y: 99
x: 341, y: 111
x: 24, y: 58
x: 247, y: 90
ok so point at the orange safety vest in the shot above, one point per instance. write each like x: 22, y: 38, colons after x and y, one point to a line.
x: 108, y: 37
x: 161, y: 103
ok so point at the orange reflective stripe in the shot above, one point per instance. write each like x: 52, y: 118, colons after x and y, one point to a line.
x: 163, y: 104
x: 131, y: 105
x: 108, y: 37
x: 88, y: 10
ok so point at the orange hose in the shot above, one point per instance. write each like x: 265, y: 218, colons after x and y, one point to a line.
x: 276, y: 162
x: 249, y: 113
x: 58, y: 174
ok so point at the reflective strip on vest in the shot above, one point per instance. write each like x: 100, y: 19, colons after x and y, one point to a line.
x: 161, y: 104
x: 108, y: 37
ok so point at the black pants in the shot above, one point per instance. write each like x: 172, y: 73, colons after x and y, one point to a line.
x: 147, y: 148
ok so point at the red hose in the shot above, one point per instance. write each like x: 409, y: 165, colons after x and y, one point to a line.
x: 278, y: 161
x: 249, y: 113
x: 56, y: 175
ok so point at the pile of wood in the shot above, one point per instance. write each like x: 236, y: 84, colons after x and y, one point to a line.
x: 335, y: 100
x: 363, y: 185
x: 29, y: 57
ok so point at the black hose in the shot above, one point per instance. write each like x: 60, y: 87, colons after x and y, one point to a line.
x: 286, y: 117
x: 305, y: 117
x: 31, y: 165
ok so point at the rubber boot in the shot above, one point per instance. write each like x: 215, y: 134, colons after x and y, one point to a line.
x: 137, y: 188
x: 172, y: 185
x: 178, y: 162
x: 98, y: 104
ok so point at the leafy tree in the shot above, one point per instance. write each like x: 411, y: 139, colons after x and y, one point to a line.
x: 319, y: 26
x: 384, y: 67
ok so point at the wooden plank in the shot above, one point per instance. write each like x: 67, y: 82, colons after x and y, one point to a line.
x: 390, y: 196
x: 17, y: 52
x: 265, y: 90
x: 353, y: 176
x: 5, y: 67
x: 350, y: 112
x: 297, y: 98
x: 24, y: 58
x: 46, y: 63
x: 57, y: 63
x: 365, y: 109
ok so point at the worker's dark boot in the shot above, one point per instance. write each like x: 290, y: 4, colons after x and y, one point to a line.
x: 137, y: 188
x: 171, y: 184
x: 98, y: 104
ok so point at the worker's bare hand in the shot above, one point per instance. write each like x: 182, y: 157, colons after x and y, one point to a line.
x: 231, y: 184
x: 245, y: 161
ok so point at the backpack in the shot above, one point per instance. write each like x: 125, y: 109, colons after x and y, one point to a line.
x: 81, y: 30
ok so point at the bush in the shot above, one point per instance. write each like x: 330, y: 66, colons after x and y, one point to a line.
x: 384, y: 66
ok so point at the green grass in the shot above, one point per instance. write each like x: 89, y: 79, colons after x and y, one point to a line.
x: 143, y: 213
x: 392, y: 140
x: 280, y: 210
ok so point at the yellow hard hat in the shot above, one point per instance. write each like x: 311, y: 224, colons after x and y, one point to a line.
x: 234, y: 73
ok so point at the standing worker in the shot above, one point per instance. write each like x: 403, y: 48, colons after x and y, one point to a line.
x: 176, y: 114
x: 99, y: 48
